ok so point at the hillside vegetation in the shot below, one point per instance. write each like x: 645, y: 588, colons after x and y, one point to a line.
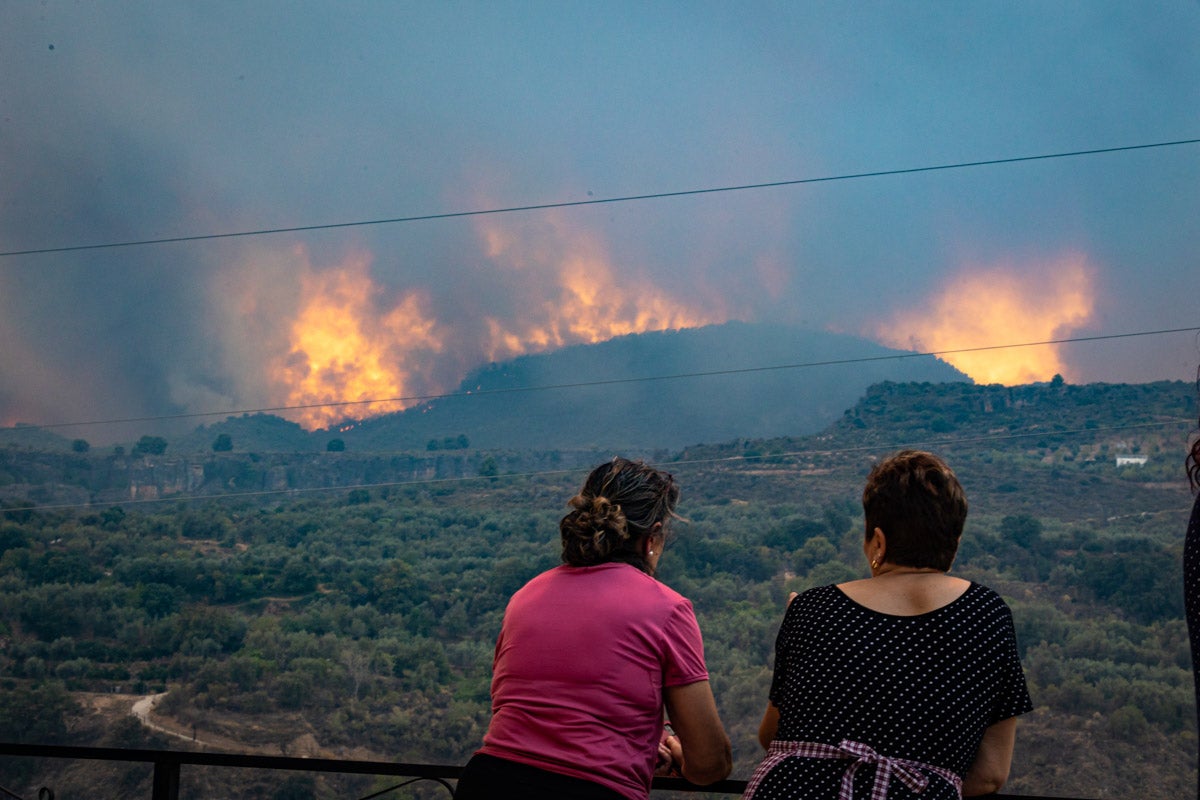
x: 359, y: 622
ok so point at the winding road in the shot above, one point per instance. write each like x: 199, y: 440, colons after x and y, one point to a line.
x: 142, y: 708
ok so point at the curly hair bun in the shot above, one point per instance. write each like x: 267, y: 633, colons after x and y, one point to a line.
x: 619, y: 504
x: 594, y: 530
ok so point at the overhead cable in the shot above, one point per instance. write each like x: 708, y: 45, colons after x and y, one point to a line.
x: 594, y: 201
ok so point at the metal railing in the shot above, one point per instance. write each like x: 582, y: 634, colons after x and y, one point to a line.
x: 168, y: 763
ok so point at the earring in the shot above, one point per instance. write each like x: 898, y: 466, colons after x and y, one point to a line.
x: 874, y: 563
x: 651, y: 552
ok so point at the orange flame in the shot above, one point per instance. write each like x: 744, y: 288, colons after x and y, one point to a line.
x: 344, y: 349
x: 345, y: 346
x: 999, y: 306
x: 574, y: 296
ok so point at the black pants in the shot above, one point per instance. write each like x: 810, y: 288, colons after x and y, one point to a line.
x: 489, y: 778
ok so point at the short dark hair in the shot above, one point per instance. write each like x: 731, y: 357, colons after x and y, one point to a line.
x: 918, y: 503
x: 619, y: 504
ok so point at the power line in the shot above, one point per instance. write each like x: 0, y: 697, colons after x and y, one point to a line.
x: 604, y: 381
x: 931, y: 444
x: 595, y: 201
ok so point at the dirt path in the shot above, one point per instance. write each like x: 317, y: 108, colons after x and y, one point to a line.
x: 142, y: 709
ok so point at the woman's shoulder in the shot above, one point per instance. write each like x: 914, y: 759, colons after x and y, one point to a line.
x: 640, y: 585
x: 817, y: 597
x: 985, y: 601
x: 820, y: 592
x: 984, y: 593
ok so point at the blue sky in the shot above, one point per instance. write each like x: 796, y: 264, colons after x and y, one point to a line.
x: 149, y: 120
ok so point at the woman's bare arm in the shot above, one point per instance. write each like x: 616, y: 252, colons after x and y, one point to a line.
x: 705, y: 754
x: 768, y: 726
x: 993, y: 759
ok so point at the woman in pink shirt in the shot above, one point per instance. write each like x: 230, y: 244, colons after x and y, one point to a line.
x: 591, y: 652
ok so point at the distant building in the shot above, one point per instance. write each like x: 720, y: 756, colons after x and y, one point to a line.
x: 1132, y: 461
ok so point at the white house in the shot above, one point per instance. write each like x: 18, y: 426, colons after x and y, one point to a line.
x: 1132, y: 461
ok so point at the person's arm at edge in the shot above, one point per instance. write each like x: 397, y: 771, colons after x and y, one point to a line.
x: 993, y: 759
x: 705, y: 753
x: 769, y: 725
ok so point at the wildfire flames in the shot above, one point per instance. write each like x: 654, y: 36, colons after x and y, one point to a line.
x: 349, y: 342
x: 577, y: 298
x: 345, y: 348
x: 1001, y: 305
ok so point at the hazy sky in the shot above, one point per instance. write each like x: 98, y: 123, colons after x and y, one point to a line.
x: 131, y: 121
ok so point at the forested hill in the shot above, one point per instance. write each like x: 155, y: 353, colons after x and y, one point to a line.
x: 746, y: 381
x: 891, y: 409
x: 1021, y: 418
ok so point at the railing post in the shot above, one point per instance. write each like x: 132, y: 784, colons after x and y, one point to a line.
x: 166, y: 779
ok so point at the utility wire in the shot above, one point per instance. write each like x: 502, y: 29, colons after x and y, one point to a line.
x: 594, y: 201
x: 674, y: 466
x: 606, y: 381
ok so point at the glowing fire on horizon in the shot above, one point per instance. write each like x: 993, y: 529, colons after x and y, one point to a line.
x: 999, y: 306
x: 346, y: 349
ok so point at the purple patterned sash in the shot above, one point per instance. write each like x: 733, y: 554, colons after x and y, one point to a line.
x: 911, y: 773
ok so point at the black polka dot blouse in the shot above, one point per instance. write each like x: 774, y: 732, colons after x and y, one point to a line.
x: 919, y: 688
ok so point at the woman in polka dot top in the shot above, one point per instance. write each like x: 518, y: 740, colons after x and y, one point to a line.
x: 906, y: 683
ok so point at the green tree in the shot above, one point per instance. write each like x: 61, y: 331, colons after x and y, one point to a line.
x: 12, y: 537
x: 1128, y: 723
x: 1021, y: 529
x: 111, y: 518
x: 158, y: 600
x: 335, y: 446
x: 80, y: 446
x: 37, y: 715
x: 795, y: 531
x: 223, y: 443
x: 150, y: 445
x: 817, y: 550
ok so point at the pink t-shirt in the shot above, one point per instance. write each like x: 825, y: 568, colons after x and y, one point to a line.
x: 581, y: 662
